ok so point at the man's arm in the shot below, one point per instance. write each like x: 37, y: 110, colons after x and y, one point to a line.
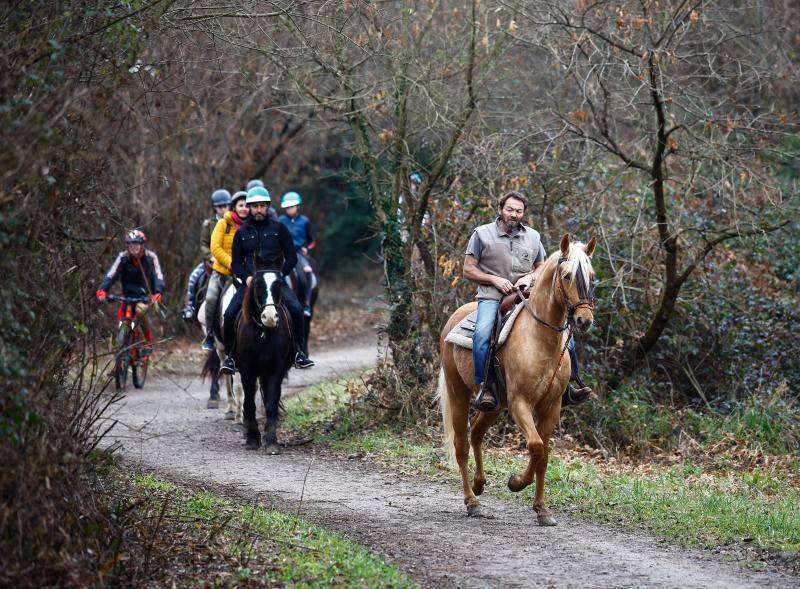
x: 475, y: 274
x: 111, y: 275
x: 237, y: 258
x: 528, y: 279
x: 289, y: 252
x: 205, y: 240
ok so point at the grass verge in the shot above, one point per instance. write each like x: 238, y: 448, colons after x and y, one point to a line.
x: 208, y: 541
x: 682, y: 502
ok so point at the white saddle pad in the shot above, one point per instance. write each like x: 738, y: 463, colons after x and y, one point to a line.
x: 461, y: 334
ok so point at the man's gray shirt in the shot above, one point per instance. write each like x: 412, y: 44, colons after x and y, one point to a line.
x: 507, y: 255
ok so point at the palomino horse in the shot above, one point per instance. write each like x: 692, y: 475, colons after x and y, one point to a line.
x: 264, y: 353
x: 536, y: 367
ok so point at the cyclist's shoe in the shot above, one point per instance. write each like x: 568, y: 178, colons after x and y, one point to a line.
x: 145, y: 352
x: 302, y: 361
x: 208, y: 343
x: 229, y: 366
x: 307, y: 310
x: 187, y: 313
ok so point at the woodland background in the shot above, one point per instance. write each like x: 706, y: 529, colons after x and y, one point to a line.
x: 668, y: 128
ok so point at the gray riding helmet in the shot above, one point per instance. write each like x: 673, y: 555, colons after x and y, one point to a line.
x: 254, y: 183
x: 220, y: 197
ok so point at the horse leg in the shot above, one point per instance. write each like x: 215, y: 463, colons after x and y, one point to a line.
x: 271, y: 396
x: 478, y: 430
x: 213, y: 399
x: 230, y: 410
x: 522, y: 413
x: 238, y: 400
x: 250, y: 423
x: 547, y: 424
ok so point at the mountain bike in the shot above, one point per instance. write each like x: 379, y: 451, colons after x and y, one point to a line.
x: 130, y: 343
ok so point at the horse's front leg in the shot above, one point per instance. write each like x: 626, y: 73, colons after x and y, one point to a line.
x: 481, y: 423
x: 213, y: 398
x: 547, y: 423
x: 250, y: 423
x: 522, y: 412
x: 271, y: 396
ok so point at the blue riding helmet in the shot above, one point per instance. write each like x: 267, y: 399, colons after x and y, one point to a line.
x: 238, y: 196
x: 254, y: 183
x: 415, y: 177
x: 291, y: 199
x: 258, y: 194
x: 220, y: 197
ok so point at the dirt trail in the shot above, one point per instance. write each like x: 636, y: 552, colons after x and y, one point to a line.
x: 166, y: 429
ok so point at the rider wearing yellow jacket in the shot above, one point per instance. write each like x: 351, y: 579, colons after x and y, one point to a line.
x: 221, y: 247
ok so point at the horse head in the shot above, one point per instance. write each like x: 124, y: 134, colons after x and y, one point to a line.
x: 575, y: 278
x: 267, y: 293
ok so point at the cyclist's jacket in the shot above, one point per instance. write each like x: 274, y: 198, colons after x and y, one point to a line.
x: 300, y: 228
x: 268, y: 239
x: 139, y: 277
x: 222, y: 241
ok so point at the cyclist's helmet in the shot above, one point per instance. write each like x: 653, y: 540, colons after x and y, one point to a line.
x: 254, y: 183
x: 238, y: 196
x: 415, y: 178
x: 135, y: 236
x: 220, y: 197
x: 290, y: 199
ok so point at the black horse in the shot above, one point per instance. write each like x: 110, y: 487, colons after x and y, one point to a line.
x: 264, y: 353
x: 297, y: 281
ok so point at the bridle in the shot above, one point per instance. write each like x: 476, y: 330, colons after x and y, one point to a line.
x: 558, y: 282
x: 259, y: 308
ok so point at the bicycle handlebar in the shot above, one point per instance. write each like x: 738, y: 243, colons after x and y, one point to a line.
x: 118, y: 299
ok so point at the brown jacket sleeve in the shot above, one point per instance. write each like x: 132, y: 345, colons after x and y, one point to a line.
x: 205, y: 239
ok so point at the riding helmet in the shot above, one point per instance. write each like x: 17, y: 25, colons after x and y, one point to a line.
x: 290, y: 199
x: 258, y: 194
x: 220, y: 197
x: 254, y: 183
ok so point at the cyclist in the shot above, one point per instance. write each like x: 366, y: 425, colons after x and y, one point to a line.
x: 221, y: 244
x: 300, y: 228
x: 220, y: 201
x: 139, y: 271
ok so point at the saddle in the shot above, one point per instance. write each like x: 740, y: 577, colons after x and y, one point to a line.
x: 510, y: 307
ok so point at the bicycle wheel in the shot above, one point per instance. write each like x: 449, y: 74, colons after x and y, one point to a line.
x: 123, y: 358
x: 139, y: 368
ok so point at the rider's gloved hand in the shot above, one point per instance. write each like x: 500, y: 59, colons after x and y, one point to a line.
x: 100, y: 294
x: 156, y: 297
x: 188, y: 312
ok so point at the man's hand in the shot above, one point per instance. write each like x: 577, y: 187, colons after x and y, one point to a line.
x: 101, y: 295
x: 249, y: 280
x: 304, y: 250
x: 155, y: 298
x: 524, y: 283
x: 502, y: 285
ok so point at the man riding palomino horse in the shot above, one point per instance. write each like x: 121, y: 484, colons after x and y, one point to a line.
x: 220, y: 201
x: 270, y: 241
x: 503, y: 257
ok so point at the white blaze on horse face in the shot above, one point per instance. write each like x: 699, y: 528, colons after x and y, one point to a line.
x: 269, y: 316
x: 579, y: 268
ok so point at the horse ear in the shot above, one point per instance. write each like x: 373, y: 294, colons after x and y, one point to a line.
x: 589, y: 247
x: 565, y: 244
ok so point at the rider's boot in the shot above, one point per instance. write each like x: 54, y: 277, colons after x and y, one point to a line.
x: 485, y: 401
x: 229, y: 366
x: 576, y: 395
x: 302, y: 361
x: 208, y: 342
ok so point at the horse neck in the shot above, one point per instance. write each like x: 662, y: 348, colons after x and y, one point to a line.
x: 547, y: 306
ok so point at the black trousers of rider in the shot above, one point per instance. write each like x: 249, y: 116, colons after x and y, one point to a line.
x: 289, y: 300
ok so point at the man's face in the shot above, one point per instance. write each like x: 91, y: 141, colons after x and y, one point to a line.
x: 135, y: 249
x: 221, y: 210
x: 259, y: 210
x: 512, y: 212
x: 291, y: 211
x: 241, y: 208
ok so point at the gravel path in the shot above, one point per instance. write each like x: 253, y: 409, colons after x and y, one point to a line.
x: 166, y: 429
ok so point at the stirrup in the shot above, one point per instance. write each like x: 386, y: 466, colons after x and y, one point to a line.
x: 482, y: 403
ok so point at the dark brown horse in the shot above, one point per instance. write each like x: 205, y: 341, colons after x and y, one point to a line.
x: 536, y: 367
x: 264, y: 354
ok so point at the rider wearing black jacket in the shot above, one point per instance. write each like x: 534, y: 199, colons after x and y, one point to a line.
x: 268, y: 239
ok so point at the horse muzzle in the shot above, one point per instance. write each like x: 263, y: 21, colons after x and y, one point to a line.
x: 583, y: 323
x: 269, y: 317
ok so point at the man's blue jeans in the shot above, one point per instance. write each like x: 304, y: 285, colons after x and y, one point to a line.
x: 484, y: 323
x: 487, y: 311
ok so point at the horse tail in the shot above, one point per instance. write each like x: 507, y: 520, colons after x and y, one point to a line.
x: 211, y: 366
x: 447, y: 418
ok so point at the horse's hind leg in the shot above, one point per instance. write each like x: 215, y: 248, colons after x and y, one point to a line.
x: 250, y: 423
x: 481, y: 423
x: 547, y: 424
x: 271, y: 397
x: 213, y: 398
x: 522, y: 413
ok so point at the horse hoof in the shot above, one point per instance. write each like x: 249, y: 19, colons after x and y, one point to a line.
x: 515, y: 484
x: 479, y: 511
x: 253, y: 443
x: 229, y: 414
x: 212, y: 404
x: 545, y: 519
x: 477, y: 489
x: 273, y: 449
